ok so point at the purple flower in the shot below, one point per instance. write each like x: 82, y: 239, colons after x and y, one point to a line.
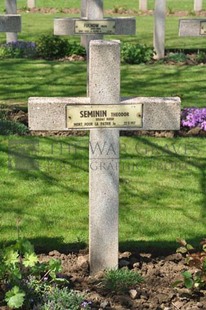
x: 194, y: 117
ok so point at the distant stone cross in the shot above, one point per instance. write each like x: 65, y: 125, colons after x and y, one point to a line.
x: 143, y: 5
x: 92, y: 25
x: 11, y: 8
x: 10, y: 23
x: 159, y: 28
x: 104, y: 113
x: 197, y: 5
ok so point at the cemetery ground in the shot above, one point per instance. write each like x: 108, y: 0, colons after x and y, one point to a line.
x: 162, y: 180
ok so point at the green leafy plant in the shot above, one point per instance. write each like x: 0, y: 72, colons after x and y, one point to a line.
x: 9, y: 128
x: 193, y: 280
x: 119, y: 9
x: 136, y: 53
x: 121, y: 280
x: 19, y: 49
x: 23, y: 277
x: 201, y: 57
x: 176, y: 57
x: 51, y: 47
x: 63, y: 299
x: 76, y: 49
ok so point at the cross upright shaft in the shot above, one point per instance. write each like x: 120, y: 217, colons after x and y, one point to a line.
x: 104, y: 85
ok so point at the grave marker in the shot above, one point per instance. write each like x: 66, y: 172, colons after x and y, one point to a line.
x: 11, y: 8
x: 159, y: 28
x: 31, y: 4
x: 92, y: 25
x: 47, y: 114
x: 192, y: 27
x: 143, y: 5
x: 197, y: 5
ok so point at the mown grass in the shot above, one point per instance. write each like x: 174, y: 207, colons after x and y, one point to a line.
x: 162, y: 191
x: 162, y: 181
x: 21, y: 79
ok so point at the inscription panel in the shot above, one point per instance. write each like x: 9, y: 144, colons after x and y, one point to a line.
x: 103, y: 116
x: 94, y: 26
x: 203, y: 28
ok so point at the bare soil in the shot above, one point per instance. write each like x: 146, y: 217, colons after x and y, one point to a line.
x: 156, y: 292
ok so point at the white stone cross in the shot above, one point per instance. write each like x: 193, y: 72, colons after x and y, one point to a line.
x: 11, y: 8
x: 102, y: 109
x: 197, y: 5
x: 31, y: 4
x: 143, y: 5
x: 192, y: 27
x: 159, y: 28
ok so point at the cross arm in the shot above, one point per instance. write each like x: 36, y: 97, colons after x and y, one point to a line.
x: 123, y: 25
x: 10, y: 23
x: 49, y: 114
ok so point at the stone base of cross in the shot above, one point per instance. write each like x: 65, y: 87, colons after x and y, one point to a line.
x: 107, y: 113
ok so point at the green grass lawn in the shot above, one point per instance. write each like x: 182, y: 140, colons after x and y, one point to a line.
x: 162, y: 191
x: 22, y: 79
x: 162, y: 181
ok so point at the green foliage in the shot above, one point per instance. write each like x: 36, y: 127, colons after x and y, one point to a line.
x: 201, y: 57
x: 63, y: 299
x: 51, y: 47
x: 121, y: 280
x: 19, y: 49
x: 15, y: 298
x: 27, y: 278
x: 9, y: 128
x: 136, y: 53
x: 196, y: 280
x: 177, y: 57
x: 76, y: 49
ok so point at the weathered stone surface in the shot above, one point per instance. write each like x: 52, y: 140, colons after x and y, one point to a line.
x: 10, y: 23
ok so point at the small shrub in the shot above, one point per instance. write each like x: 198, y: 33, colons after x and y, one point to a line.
x: 51, y: 47
x: 19, y: 49
x: 121, y: 280
x: 119, y: 9
x: 136, y: 53
x: 177, y: 57
x: 201, y: 57
x: 194, y: 117
x: 76, y: 49
x: 63, y: 299
x: 197, y: 279
x: 10, y: 128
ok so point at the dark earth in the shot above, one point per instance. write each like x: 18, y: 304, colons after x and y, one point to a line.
x: 156, y: 292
